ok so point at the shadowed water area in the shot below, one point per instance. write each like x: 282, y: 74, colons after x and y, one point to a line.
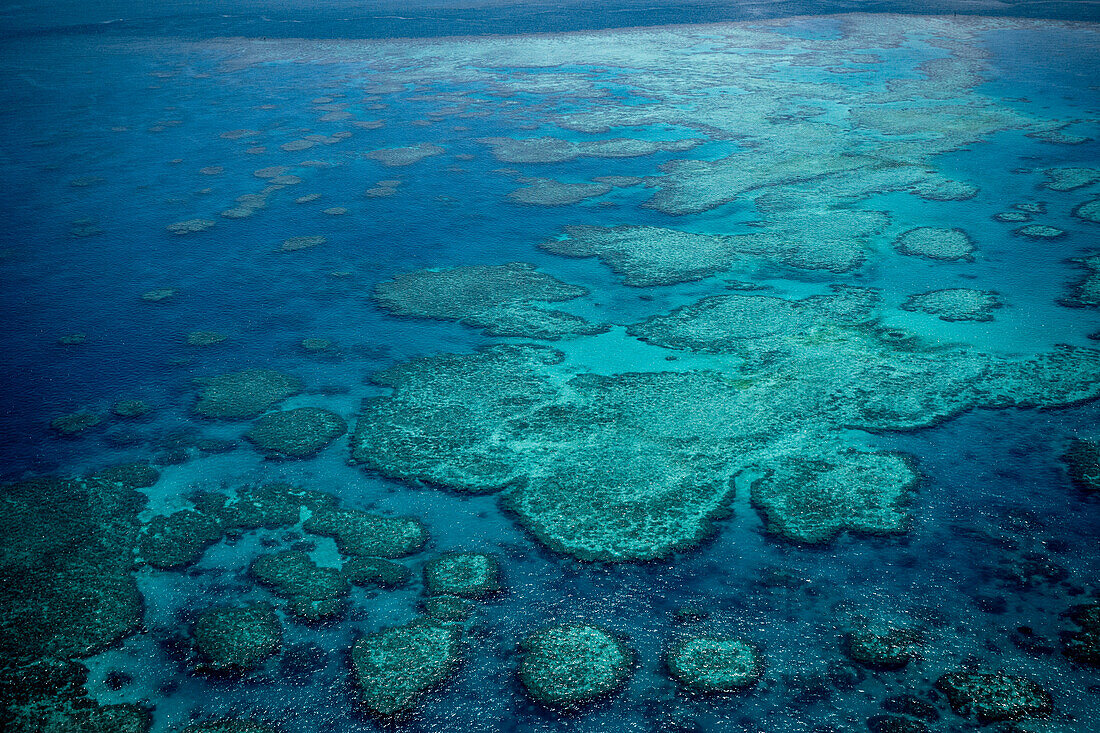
x: 510, y: 367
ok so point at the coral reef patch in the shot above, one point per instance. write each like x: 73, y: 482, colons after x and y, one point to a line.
x: 714, y: 664
x: 244, y: 394
x: 956, y: 304
x: 994, y: 696
x: 502, y: 299
x: 297, y: 433
x: 567, y: 666
x: 394, y: 667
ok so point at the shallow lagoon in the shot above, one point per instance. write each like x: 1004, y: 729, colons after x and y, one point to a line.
x: 978, y: 547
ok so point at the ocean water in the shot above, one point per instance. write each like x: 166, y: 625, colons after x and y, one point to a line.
x: 768, y: 160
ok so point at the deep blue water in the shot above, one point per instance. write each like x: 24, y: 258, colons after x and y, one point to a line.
x: 424, y: 18
x: 124, y: 105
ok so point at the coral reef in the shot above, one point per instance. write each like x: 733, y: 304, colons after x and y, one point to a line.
x: 395, y: 666
x: 567, y: 666
x: 945, y: 189
x: 465, y: 574
x: 734, y: 323
x: 1088, y: 211
x: 190, y: 226
x: 1082, y: 461
x: 448, y: 608
x: 502, y: 419
x: 1040, y: 231
x: 316, y: 344
x: 75, y: 423
x: 374, y: 571
x: 394, y: 157
x: 557, y: 150
x: 230, y: 726
x: 269, y: 506
x: 995, y: 696
x: 887, y: 648
x: 1083, y: 644
x: 814, y: 238
x: 205, y: 338
x: 1069, y: 179
x: 68, y: 593
x: 237, y: 637
x: 293, y: 244
x: 298, y: 433
x: 245, y: 394
x: 714, y: 664
x: 312, y: 592
x: 813, y: 498
x: 1085, y: 293
x: 936, y: 243
x: 548, y: 192
x: 130, y: 475
x: 956, y: 304
x: 177, y: 540
x: 157, y: 295
x: 130, y: 408
x: 368, y: 535
x: 502, y: 299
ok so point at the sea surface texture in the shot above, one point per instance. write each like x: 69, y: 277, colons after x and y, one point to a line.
x: 734, y: 376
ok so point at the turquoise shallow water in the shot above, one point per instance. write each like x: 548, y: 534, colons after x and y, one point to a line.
x: 119, y: 131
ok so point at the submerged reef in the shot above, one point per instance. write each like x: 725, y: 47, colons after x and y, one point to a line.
x: 237, y: 637
x: 395, y: 157
x: 465, y: 574
x: 75, y: 423
x: 812, y: 500
x: 557, y: 150
x: 995, y: 696
x: 1040, y: 231
x: 68, y: 593
x: 1088, y: 211
x: 945, y: 189
x: 394, y: 667
x: 293, y: 244
x: 190, y: 226
x: 374, y: 571
x: 505, y: 420
x: 739, y: 323
x: 825, y: 238
x: 548, y: 192
x: 1085, y: 293
x: 567, y: 666
x: 1082, y: 462
x: 502, y: 299
x: 130, y: 408
x: 368, y: 535
x: 245, y: 394
x: 297, y: 433
x: 936, y: 243
x: 230, y: 726
x: 878, y: 648
x: 956, y: 304
x: 1068, y: 179
x: 177, y: 540
x: 1083, y: 644
x: 714, y: 664
x: 312, y: 592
